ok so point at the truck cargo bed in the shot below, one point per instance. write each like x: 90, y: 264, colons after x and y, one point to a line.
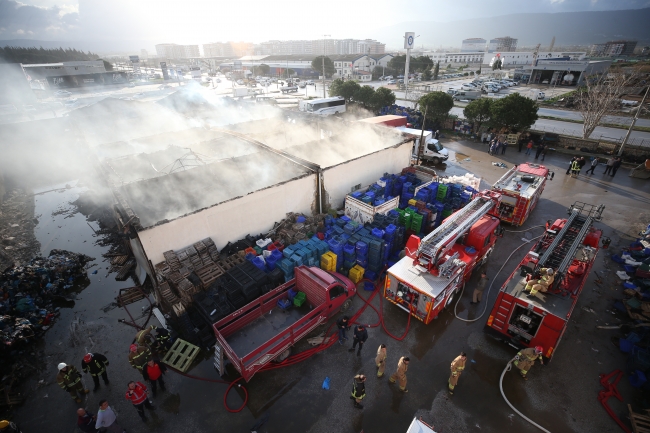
x: 263, y: 329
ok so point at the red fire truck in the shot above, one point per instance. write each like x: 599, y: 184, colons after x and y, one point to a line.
x: 569, y: 247
x: 436, y: 267
x: 520, y: 189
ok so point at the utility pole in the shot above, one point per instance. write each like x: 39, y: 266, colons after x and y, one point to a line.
x: 636, y: 116
x: 409, y: 43
x: 324, y: 36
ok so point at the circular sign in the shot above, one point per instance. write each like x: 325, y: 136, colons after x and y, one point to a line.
x: 410, y: 40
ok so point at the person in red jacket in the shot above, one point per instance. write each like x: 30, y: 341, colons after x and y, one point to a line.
x: 137, y: 394
x: 153, y: 372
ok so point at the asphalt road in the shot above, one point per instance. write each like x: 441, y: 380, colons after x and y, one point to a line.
x: 561, y: 396
x: 574, y: 115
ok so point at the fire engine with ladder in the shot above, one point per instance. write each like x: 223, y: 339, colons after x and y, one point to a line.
x: 520, y: 190
x: 569, y: 247
x: 435, y: 268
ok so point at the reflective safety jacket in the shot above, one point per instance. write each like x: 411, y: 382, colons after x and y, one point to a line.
x: 458, y: 365
x: 139, y: 358
x: 137, y: 395
x: 96, y: 366
x: 358, y: 389
x: 68, y: 378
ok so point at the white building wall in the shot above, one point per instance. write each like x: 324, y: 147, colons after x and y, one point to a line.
x: 341, y: 179
x: 253, y: 213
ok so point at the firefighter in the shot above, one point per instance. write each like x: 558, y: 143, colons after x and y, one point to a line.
x: 8, y: 427
x: 380, y: 360
x: 457, y: 367
x: 69, y: 379
x: 95, y: 364
x: 358, y: 390
x: 163, y: 340
x: 541, y: 285
x: 402, y: 367
x: 141, y: 337
x: 138, y: 357
x: 525, y: 359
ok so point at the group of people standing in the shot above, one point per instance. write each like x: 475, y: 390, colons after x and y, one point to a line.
x: 578, y: 162
x: 141, y: 358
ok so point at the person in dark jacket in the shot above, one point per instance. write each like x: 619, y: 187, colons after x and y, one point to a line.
x: 358, y: 390
x: 568, y: 170
x: 153, y: 372
x: 538, y: 152
x: 95, y: 364
x: 616, y: 166
x: 581, y: 163
x: 163, y: 340
x: 343, y: 324
x: 86, y: 421
x: 360, y: 337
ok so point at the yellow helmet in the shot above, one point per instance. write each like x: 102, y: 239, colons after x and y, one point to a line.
x: 4, y: 424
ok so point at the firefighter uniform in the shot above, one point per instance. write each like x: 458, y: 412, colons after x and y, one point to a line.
x: 358, y: 390
x: 95, y: 364
x: 139, y: 356
x: 380, y: 360
x: 400, y: 374
x: 141, y: 337
x: 69, y: 379
x: 163, y: 340
x: 543, y: 283
x: 457, y: 367
x: 526, y: 359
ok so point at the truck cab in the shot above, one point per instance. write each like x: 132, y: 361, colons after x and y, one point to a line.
x: 432, y: 151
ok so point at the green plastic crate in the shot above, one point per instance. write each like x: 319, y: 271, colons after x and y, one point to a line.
x: 299, y: 299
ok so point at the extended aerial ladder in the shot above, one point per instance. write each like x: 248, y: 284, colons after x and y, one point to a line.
x: 433, y: 248
x: 559, y: 253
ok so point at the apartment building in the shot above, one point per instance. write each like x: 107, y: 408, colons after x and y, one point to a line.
x: 175, y: 51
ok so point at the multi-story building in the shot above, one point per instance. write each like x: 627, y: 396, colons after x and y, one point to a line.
x: 321, y: 46
x: 613, y: 48
x: 174, y: 51
x: 522, y: 58
x: 468, y: 58
x: 473, y: 45
x: 502, y: 44
x: 227, y: 49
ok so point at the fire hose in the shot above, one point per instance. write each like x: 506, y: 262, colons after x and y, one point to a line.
x: 505, y: 370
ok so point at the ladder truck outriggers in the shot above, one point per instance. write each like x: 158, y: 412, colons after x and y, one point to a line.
x: 534, y: 305
x: 435, y: 268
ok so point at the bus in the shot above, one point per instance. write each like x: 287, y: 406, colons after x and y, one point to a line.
x: 323, y: 106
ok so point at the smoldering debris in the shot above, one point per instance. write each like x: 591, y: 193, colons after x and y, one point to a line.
x: 17, y: 241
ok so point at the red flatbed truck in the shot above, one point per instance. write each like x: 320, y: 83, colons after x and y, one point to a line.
x: 520, y: 189
x: 435, y: 268
x: 261, y: 331
x: 569, y: 247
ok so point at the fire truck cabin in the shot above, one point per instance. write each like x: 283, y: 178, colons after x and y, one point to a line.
x: 520, y: 189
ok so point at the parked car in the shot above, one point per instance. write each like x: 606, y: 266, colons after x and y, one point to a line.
x: 541, y: 96
x: 62, y: 93
x: 391, y: 82
x: 240, y: 82
x: 310, y: 82
x: 389, y: 77
x: 71, y: 102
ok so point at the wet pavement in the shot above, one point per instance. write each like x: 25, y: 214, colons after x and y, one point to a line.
x: 560, y: 396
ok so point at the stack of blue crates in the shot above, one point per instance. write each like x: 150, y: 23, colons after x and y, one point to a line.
x: 362, y: 254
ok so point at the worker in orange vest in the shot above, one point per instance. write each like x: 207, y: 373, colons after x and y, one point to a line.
x: 457, y: 367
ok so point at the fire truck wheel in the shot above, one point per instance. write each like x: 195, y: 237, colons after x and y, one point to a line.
x: 346, y: 305
x: 284, y: 355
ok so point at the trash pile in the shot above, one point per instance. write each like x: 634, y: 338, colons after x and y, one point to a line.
x: 414, y: 117
x: 27, y: 293
x: 634, y: 273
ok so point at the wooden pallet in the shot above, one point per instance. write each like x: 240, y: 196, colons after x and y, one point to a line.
x: 181, y: 355
x: 208, y: 274
x: 129, y: 296
x: 640, y: 423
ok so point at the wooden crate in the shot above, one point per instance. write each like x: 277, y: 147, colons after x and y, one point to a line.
x: 208, y: 274
x: 181, y: 355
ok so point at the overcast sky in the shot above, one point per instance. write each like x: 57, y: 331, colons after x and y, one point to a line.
x: 199, y: 21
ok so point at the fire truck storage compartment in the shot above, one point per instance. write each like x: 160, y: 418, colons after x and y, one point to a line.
x: 507, y: 205
x: 524, y: 322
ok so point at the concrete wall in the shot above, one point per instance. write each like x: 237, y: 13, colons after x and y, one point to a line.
x: 254, y: 213
x: 339, y: 180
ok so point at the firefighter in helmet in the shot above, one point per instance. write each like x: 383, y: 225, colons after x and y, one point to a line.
x: 525, y: 359
x: 545, y: 281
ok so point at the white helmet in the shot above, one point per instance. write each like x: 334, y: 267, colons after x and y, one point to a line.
x: 62, y: 366
x: 549, y: 271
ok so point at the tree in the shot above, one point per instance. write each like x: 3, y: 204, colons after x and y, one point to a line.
x: 479, y: 112
x: 420, y: 63
x: 426, y: 75
x: 317, y: 65
x: 377, y: 72
x: 383, y: 97
x: 600, y: 96
x: 497, y: 64
x: 437, y: 105
x: 264, y: 69
x: 514, y: 112
x: 346, y: 89
x: 364, y: 95
x: 436, y: 71
x: 397, y: 65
